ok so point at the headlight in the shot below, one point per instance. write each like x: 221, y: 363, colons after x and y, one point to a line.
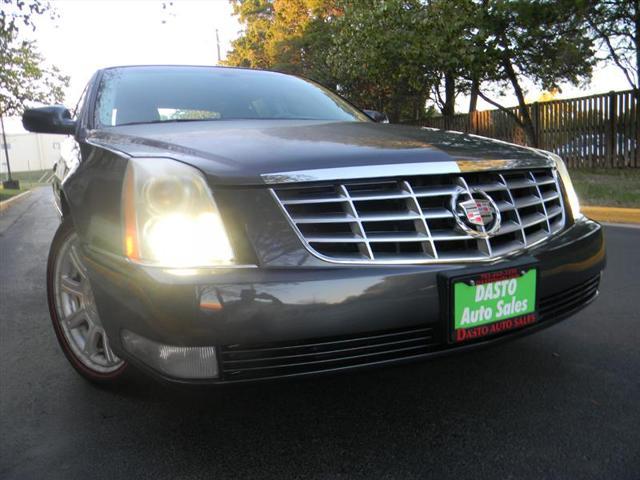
x: 170, y: 217
x: 574, y: 203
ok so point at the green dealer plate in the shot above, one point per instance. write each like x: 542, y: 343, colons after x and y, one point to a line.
x: 491, y: 303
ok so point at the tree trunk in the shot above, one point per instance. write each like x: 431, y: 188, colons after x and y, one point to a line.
x: 637, y: 42
x: 527, y: 123
x: 473, y: 106
x: 449, y: 107
x: 417, y: 114
x: 6, y: 148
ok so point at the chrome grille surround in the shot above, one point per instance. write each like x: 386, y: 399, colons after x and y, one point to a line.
x: 408, y: 220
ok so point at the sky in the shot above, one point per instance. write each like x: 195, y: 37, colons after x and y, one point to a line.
x: 91, y: 34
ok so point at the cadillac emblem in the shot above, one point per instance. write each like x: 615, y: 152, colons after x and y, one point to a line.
x: 476, y: 213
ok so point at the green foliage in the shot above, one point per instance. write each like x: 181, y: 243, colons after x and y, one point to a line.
x: 379, y: 54
x: 393, y: 55
x: 286, y: 35
x: 544, y: 41
x: 24, y: 77
x: 249, y: 50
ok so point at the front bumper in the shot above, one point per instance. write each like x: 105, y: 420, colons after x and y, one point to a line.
x: 277, y: 322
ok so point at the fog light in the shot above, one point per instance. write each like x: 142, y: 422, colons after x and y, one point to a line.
x: 179, y: 362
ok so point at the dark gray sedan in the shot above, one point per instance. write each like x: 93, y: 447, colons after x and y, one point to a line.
x: 226, y: 225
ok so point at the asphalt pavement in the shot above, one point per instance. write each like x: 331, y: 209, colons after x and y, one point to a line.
x: 563, y: 403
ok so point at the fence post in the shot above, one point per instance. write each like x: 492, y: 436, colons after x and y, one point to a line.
x: 635, y: 125
x: 610, y: 131
x: 535, y: 119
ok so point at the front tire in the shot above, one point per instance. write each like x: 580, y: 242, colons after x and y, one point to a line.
x: 74, y: 314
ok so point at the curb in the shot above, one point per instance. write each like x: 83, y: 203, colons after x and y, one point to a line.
x: 613, y: 214
x: 6, y: 203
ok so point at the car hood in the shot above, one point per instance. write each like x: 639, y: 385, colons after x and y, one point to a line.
x: 249, y: 151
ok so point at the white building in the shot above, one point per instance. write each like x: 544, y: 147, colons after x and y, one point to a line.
x: 28, y: 151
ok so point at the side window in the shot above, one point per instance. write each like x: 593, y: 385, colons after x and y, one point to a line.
x: 75, y: 113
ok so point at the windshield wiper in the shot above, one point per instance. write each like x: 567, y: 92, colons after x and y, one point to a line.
x: 173, y: 120
x: 179, y: 120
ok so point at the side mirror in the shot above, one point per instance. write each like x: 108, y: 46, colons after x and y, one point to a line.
x: 377, y: 116
x: 54, y: 119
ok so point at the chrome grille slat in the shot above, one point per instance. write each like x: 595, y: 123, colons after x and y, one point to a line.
x: 389, y: 217
x: 522, y: 183
x: 421, y: 223
x: 409, y: 219
x: 553, y: 212
x: 527, y: 201
x: 435, y: 192
x: 544, y: 207
x: 489, y: 187
x: 515, y: 210
x: 436, y: 213
x: 537, y: 236
x: 509, y: 227
x: 303, y: 201
x: 357, y: 228
x: 399, y: 237
x: 449, y: 235
x: 533, y: 219
x: 504, y: 206
x: 384, y: 196
x: 335, y: 239
x: 347, y: 218
x: 547, y: 181
x: 507, y: 248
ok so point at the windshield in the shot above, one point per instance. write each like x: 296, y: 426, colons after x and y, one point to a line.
x: 169, y: 94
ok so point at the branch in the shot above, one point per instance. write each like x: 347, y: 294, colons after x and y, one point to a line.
x: 502, y: 108
x: 439, y: 100
x: 614, y: 55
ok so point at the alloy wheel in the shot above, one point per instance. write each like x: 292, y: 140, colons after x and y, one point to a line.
x: 77, y: 313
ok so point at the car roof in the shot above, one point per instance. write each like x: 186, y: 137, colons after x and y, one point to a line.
x: 178, y: 66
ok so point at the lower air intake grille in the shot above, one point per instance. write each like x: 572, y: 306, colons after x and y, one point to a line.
x: 287, y: 358
x: 566, y: 301
x: 410, y: 220
x: 255, y: 361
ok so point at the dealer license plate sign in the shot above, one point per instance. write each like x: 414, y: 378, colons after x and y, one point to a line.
x: 491, y: 303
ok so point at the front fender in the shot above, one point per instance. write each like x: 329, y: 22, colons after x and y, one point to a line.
x: 92, y: 191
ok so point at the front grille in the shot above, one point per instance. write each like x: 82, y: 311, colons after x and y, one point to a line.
x: 564, y: 302
x: 287, y: 358
x: 409, y: 220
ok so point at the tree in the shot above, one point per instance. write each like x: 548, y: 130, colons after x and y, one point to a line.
x: 378, y: 56
x: 616, y: 27
x: 290, y: 36
x: 315, y: 38
x: 546, y: 42
x: 452, y: 56
x: 385, y: 54
x: 250, y: 49
x: 394, y: 54
x: 24, y: 77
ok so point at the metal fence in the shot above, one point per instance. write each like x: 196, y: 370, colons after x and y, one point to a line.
x: 593, y: 131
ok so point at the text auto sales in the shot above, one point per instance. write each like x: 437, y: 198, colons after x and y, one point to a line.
x: 493, y: 291
x: 485, y: 313
x: 493, y: 328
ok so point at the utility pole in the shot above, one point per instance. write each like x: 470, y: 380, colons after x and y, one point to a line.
x: 218, y: 45
x: 9, y: 183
